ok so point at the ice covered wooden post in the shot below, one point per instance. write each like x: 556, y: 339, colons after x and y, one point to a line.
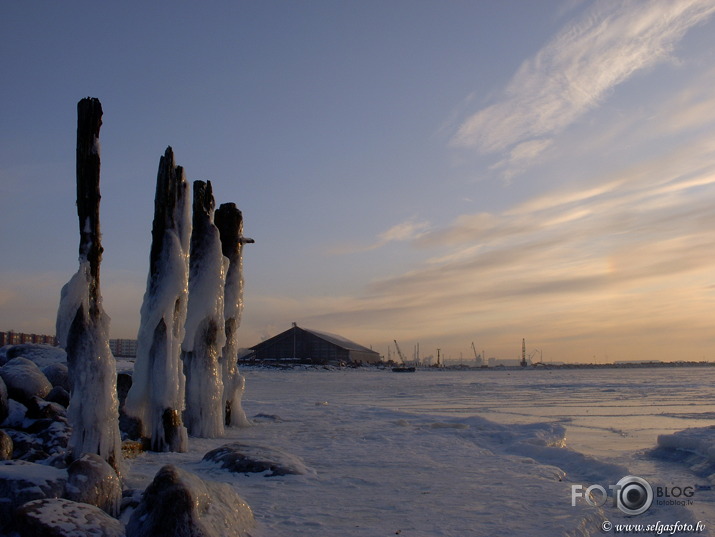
x: 205, y: 336
x: 156, y: 397
x: 82, y: 324
x: 229, y: 222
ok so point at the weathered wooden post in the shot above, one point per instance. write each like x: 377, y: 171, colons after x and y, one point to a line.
x: 156, y: 397
x: 82, y: 324
x: 229, y: 222
x: 205, y: 336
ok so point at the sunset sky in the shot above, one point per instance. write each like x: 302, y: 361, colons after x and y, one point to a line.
x: 436, y: 172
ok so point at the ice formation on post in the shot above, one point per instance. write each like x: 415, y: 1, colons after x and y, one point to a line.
x: 82, y: 324
x: 204, y: 330
x: 156, y: 397
x: 229, y: 222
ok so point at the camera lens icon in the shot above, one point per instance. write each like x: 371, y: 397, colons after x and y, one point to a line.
x: 634, y: 495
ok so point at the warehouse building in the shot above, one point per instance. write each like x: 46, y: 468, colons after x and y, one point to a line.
x: 311, y: 346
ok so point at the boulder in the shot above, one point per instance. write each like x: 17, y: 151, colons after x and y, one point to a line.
x: 22, y: 481
x: 59, y: 395
x: 40, y: 354
x: 244, y: 458
x: 55, y: 437
x: 58, y: 375
x: 24, y: 380
x: 57, y: 517
x: 6, y: 446
x: 21, y: 442
x: 39, y: 409
x: 4, y: 403
x: 179, y: 503
x: 92, y: 480
x: 16, y: 415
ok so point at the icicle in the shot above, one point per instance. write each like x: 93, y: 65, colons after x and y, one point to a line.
x: 205, y: 330
x: 229, y: 221
x: 156, y: 397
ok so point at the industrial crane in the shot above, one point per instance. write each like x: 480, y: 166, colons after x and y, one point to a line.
x: 399, y: 352
x: 404, y: 368
x: 478, y: 359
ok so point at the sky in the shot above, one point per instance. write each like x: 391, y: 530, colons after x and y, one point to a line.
x: 439, y: 173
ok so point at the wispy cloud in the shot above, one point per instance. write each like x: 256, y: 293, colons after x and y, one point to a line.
x: 574, y: 73
x: 408, y: 230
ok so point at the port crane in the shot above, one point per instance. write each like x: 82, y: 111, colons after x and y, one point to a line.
x: 404, y: 368
x: 399, y: 352
x: 478, y: 359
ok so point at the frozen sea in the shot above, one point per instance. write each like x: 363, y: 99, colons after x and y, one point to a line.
x: 461, y: 453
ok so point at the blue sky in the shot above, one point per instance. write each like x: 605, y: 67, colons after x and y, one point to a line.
x: 432, y: 172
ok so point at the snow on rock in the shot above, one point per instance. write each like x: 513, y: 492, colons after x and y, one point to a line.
x: 4, y: 403
x: 15, y: 416
x: 178, y: 502
x: 58, y: 517
x: 22, y: 481
x: 24, y: 380
x: 91, y: 480
x: 58, y: 375
x: 42, y: 355
x: 243, y: 458
x: 694, y: 447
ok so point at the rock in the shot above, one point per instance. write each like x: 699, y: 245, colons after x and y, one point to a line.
x: 39, y: 409
x: 24, y: 380
x: 21, y: 482
x: 42, y: 355
x: 92, y: 480
x: 22, y: 442
x: 58, y: 517
x: 4, y: 403
x: 59, y: 395
x: 58, y: 375
x: 243, y: 458
x: 55, y: 437
x: 179, y: 503
x: 16, y: 415
x: 6, y: 446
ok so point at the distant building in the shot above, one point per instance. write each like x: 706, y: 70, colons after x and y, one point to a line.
x: 18, y: 338
x: 123, y: 348
x: 311, y: 346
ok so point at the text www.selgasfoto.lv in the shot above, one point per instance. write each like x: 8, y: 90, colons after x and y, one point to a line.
x: 657, y: 528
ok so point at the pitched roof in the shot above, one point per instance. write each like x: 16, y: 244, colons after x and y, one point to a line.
x: 338, y: 340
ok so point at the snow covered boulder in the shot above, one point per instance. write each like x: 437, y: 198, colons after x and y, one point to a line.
x: 58, y: 375
x: 39, y: 409
x: 244, y: 458
x: 58, y: 517
x: 6, y: 446
x: 24, y: 380
x: 42, y: 355
x: 4, y: 404
x: 92, y: 480
x: 21, y: 482
x: 179, y: 503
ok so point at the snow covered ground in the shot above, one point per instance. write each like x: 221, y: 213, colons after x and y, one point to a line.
x: 482, y: 453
